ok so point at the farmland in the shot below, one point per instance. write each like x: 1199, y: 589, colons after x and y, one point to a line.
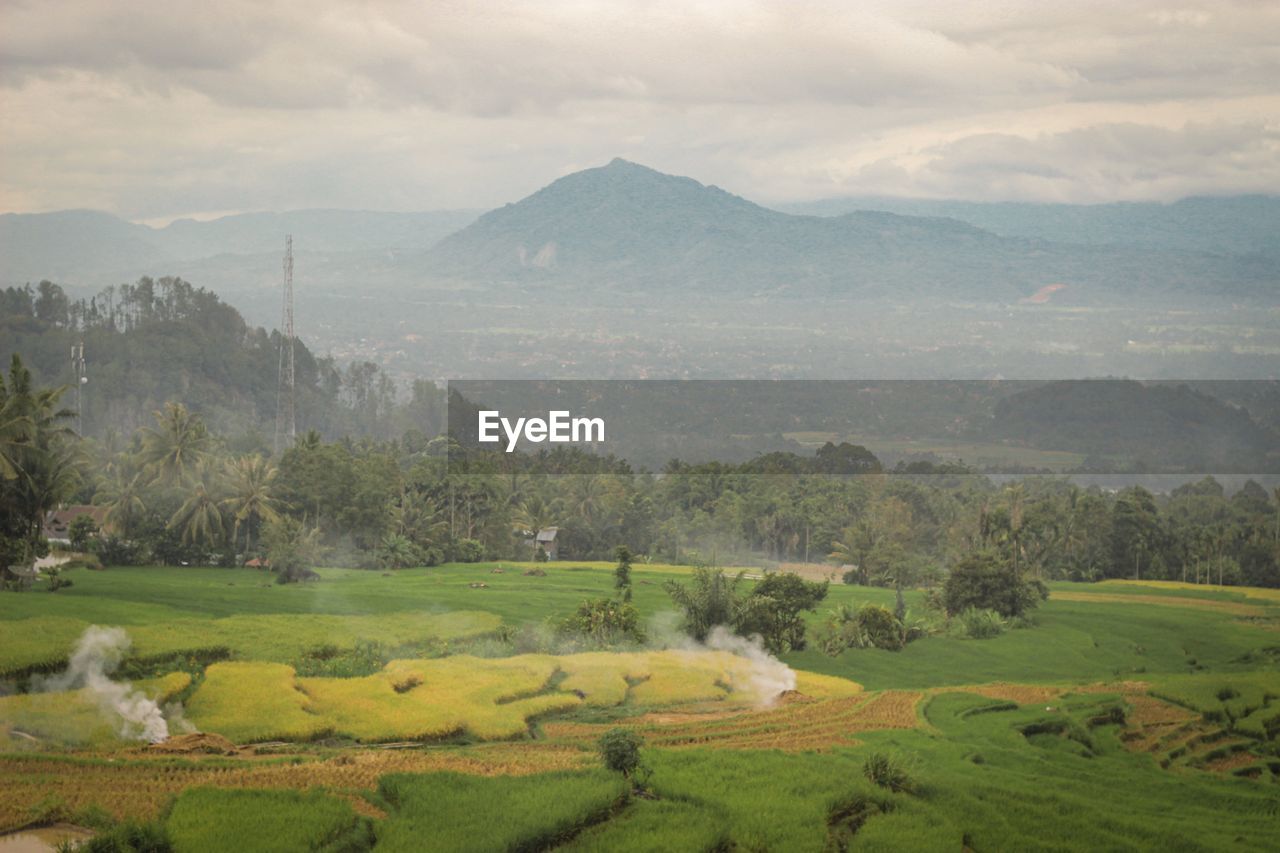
x: 1130, y: 716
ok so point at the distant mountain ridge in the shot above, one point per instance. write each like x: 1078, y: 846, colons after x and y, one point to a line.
x: 77, y: 245
x: 631, y: 229
x: 625, y: 225
x: 1240, y: 225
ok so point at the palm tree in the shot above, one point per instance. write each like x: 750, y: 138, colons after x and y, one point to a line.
x: 121, y: 491
x: 251, y: 501
x: 418, y: 518
x: 534, y: 513
x: 199, y: 518
x: 15, y: 430
x: 178, y: 443
x: 42, y: 458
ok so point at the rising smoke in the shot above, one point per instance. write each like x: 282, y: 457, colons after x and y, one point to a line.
x: 768, y: 677
x: 97, y: 655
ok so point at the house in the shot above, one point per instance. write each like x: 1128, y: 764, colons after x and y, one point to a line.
x: 547, y: 539
x: 57, y: 524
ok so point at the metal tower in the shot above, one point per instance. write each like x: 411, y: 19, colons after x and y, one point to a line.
x: 286, y: 425
x: 78, y: 368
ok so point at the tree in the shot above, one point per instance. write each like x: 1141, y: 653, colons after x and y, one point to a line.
x: 292, y: 549
x: 709, y: 600
x: 120, y: 491
x: 774, y: 610
x: 175, y: 446
x: 82, y: 529
x: 620, y: 751
x: 984, y: 581
x: 199, y: 518
x: 399, y: 552
x: 42, y: 463
x: 250, y: 481
x: 622, y: 574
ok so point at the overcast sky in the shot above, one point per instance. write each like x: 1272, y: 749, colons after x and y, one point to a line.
x: 153, y: 110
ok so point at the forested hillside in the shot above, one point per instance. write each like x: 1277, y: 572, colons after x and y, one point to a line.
x: 165, y: 339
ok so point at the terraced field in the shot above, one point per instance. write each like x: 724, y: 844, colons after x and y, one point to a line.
x: 1147, y: 716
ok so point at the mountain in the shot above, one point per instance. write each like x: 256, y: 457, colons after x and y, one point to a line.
x: 1173, y: 426
x: 58, y: 246
x: 92, y: 249
x: 626, y: 230
x: 1233, y: 225
x: 629, y: 227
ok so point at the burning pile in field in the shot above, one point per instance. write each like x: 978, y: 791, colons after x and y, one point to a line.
x: 97, y: 655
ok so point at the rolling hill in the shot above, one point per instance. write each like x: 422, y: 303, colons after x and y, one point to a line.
x: 629, y: 227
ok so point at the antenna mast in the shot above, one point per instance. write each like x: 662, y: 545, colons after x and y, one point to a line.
x: 286, y: 425
x: 78, y: 368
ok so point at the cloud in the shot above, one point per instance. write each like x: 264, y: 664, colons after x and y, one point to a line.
x: 152, y: 109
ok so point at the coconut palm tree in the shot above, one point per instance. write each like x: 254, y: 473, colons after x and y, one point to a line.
x: 418, y: 518
x: 121, y: 491
x: 15, y: 431
x: 252, y: 501
x: 42, y: 458
x: 199, y: 518
x: 534, y: 513
x: 174, y: 448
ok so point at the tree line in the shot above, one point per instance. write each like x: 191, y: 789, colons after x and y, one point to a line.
x: 177, y: 492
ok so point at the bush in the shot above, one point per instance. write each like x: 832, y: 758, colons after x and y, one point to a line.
x: 981, y: 624
x: 620, y: 750
x: 603, y: 622
x: 130, y: 837
x: 869, y: 626
x: 882, y: 770
x: 468, y: 551
x: 121, y: 552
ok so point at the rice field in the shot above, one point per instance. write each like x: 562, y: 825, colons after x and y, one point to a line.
x: 1148, y: 726
x: 484, y: 698
x: 44, y: 642
x: 75, y: 717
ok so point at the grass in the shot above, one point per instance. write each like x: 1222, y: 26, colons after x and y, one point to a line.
x: 1002, y: 753
x: 450, y: 811
x: 1073, y: 642
x: 43, y: 642
x: 264, y: 821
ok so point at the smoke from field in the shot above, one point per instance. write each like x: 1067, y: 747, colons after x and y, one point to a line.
x: 768, y: 678
x: 97, y: 654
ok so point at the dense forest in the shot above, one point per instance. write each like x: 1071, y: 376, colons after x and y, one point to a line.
x: 177, y: 492
x: 164, y: 339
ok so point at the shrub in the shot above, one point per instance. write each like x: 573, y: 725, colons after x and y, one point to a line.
x: 884, y: 771
x: 468, y: 551
x: 981, y: 624
x: 120, y: 552
x: 130, y: 837
x: 869, y: 626
x: 620, y: 750
x: 603, y: 622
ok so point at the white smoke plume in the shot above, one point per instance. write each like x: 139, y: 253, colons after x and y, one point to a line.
x: 97, y: 654
x: 768, y: 678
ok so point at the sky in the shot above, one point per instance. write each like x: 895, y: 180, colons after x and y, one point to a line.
x: 156, y: 110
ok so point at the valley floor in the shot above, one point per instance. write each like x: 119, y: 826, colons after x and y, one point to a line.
x: 1130, y: 716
